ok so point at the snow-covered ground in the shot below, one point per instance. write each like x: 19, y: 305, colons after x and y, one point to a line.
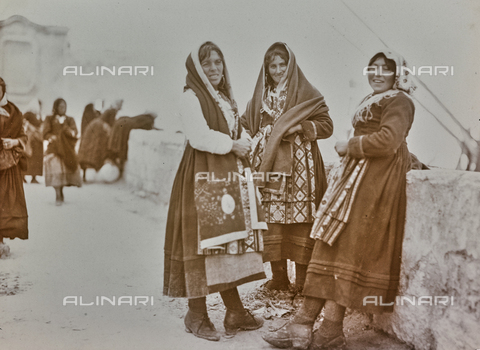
x: 104, y: 241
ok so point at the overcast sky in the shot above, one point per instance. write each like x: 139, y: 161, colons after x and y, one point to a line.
x: 330, y: 43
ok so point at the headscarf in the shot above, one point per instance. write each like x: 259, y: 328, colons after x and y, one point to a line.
x: 213, y: 112
x: 3, y: 103
x: 225, y: 92
x: 403, y: 82
x: 303, y: 100
x: 32, y: 119
x: 56, y: 103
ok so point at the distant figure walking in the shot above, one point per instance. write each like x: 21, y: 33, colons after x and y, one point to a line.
x: 93, y: 149
x: 118, y: 143
x: 89, y: 115
x: 34, y: 148
x: 61, y: 163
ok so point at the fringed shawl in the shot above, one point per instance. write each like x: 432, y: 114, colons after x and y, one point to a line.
x: 303, y: 101
x: 213, y: 114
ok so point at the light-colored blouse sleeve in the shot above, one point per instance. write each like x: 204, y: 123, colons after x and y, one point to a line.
x: 196, y: 130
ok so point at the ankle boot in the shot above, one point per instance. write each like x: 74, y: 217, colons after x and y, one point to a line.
x: 320, y: 342
x: 236, y: 320
x: 200, y: 325
x: 330, y: 334
x: 298, y: 336
x: 279, y: 279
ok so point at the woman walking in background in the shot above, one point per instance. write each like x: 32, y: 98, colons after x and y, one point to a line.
x: 34, y: 147
x: 89, y: 115
x: 61, y: 163
x: 285, y: 117
x: 360, y: 222
x: 93, y: 149
x: 13, y: 208
x: 215, y: 144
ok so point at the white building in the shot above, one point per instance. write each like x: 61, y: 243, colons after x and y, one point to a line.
x: 31, y: 61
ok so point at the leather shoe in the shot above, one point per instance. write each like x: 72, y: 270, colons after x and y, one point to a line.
x: 200, y: 325
x: 277, y: 285
x: 240, y: 321
x: 320, y: 342
x: 294, y: 335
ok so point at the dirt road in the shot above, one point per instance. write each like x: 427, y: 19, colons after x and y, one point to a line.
x: 107, y: 241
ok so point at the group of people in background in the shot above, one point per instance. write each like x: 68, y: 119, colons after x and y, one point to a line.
x: 103, y: 138
x: 345, y: 239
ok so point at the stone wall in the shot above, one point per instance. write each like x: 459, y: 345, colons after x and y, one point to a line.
x: 441, y: 251
x: 153, y: 159
x: 441, y: 257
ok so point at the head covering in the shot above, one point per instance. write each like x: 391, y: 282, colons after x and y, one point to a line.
x: 223, y: 96
x: 3, y: 103
x: 213, y: 112
x: 302, y: 101
x: 227, y: 87
x: 210, y: 99
x: 403, y: 82
x: 56, y: 103
x: 32, y: 119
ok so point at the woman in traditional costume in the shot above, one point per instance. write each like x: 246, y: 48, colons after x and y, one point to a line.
x: 34, y: 148
x: 93, y: 149
x: 13, y: 208
x: 89, y: 115
x: 197, y: 265
x: 118, y: 141
x: 360, y: 222
x: 61, y: 163
x: 285, y: 117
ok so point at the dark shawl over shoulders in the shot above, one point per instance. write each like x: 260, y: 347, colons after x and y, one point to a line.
x: 89, y: 115
x: 118, y: 141
x: 94, y: 145
x: 13, y: 208
x: 64, y: 145
x: 304, y: 104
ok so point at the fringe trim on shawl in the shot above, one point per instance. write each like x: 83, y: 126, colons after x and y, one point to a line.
x: 336, y: 205
x: 363, y: 113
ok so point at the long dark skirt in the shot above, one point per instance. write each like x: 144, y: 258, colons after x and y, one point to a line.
x: 13, y: 208
x: 186, y: 273
x: 35, y: 162
x: 365, y: 260
x: 288, y: 241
